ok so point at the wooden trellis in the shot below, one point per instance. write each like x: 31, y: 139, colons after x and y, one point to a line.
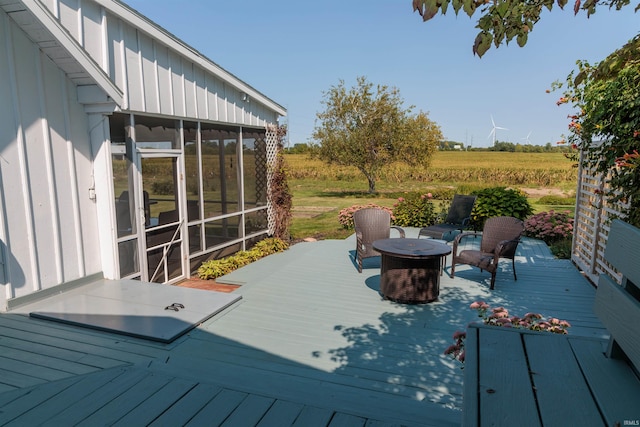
x: 593, y: 215
x: 273, y: 139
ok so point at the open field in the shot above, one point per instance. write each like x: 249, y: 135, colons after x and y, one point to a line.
x: 320, y: 191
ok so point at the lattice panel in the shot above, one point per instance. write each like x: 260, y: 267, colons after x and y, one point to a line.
x: 262, y: 168
x: 591, y: 225
x: 272, y: 140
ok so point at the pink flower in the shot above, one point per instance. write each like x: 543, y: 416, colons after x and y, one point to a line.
x: 452, y: 349
x: 530, y: 316
x: 479, y: 305
x: 459, y: 335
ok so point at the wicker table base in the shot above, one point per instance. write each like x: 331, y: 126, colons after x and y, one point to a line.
x: 410, y: 269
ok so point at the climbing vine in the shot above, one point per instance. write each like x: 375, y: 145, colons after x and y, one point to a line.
x: 279, y: 192
x: 606, y: 124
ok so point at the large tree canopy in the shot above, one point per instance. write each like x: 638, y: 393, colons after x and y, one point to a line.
x: 368, y: 128
x: 606, y: 125
x: 503, y: 20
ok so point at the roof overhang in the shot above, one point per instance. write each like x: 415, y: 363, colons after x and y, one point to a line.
x: 131, y: 16
x: 56, y: 42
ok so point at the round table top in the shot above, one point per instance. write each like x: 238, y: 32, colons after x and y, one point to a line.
x: 411, y: 248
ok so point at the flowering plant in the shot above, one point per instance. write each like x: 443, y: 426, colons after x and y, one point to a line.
x: 629, y: 160
x: 415, y: 210
x: 500, y: 317
x: 605, y: 124
x: 345, y: 216
x: 549, y: 226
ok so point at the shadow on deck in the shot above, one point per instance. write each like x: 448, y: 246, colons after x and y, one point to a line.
x: 310, y: 343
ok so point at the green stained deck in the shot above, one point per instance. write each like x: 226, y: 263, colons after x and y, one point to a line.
x: 310, y: 343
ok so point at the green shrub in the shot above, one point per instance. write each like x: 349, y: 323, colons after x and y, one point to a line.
x: 414, y: 210
x: 499, y: 201
x: 219, y: 267
x: 270, y: 246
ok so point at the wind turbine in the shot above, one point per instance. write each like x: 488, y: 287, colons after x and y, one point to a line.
x: 527, y: 138
x: 493, y: 131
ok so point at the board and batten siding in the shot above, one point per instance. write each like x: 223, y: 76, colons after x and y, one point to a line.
x: 157, y: 73
x: 48, y: 226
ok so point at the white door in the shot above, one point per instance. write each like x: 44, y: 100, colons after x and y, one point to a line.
x: 162, y: 219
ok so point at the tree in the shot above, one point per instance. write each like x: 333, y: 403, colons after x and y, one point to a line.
x: 606, y: 127
x: 368, y: 128
x: 503, y: 20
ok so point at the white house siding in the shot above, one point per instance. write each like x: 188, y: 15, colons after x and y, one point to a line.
x: 151, y: 68
x: 57, y: 215
x: 47, y: 227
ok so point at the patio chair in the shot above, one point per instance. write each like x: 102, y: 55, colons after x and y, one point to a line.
x: 371, y: 224
x: 500, y: 238
x: 457, y: 218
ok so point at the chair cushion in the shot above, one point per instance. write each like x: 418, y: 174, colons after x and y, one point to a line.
x: 479, y: 259
x: 438, y: 231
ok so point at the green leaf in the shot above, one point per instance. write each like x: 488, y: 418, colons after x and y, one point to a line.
x: 522, y: 39
x: 444, y: 5
x: 457, y: 4
x: 469, y: 6
x: 430, y: 9
x: 482, y: 43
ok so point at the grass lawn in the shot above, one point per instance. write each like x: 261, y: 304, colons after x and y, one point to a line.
x: 321, y: 191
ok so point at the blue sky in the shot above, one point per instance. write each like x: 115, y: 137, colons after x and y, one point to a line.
x: 293, y: 51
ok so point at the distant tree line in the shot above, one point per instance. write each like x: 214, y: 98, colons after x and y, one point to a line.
x: 302, y: 148
x: 526, y: 148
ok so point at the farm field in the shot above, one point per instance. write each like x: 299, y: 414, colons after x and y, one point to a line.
x: 320, y: 191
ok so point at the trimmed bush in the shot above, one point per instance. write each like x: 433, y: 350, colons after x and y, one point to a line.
x: 219, y: 267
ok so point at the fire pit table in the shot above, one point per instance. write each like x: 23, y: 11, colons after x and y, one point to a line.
x: 410, y: 269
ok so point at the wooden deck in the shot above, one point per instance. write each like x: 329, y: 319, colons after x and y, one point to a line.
x: 310, y: 343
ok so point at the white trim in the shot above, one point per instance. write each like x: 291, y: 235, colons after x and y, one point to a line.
x: 103, y: 178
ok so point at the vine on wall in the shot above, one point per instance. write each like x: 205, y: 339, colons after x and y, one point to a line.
x: 279, y: 192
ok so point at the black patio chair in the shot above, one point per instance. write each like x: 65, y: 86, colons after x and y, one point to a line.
x: 457, y: 219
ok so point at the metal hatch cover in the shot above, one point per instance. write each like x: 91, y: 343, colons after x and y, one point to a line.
x: 151, y: 311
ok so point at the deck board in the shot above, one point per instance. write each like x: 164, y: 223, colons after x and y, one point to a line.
x: 310, y: 343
